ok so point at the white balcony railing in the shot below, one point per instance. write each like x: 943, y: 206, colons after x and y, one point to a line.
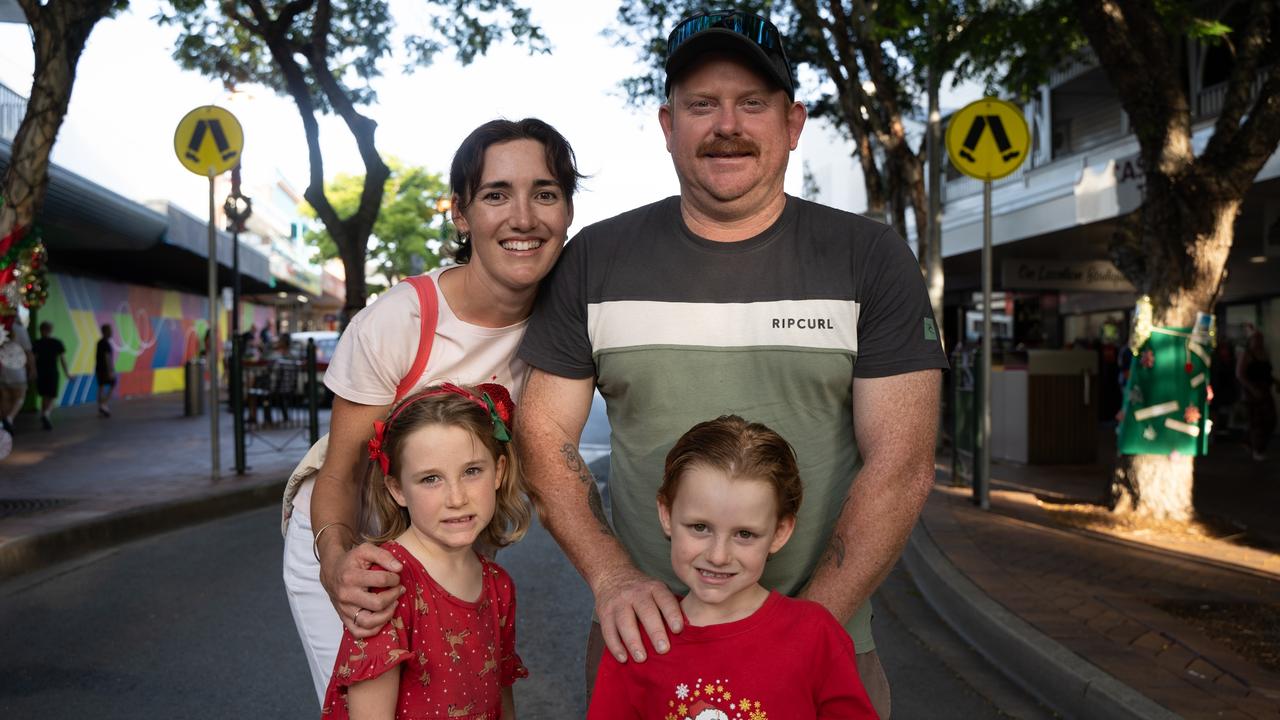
x: 1210, y: 100
x: 1085, y: 60
x: 13, y: 107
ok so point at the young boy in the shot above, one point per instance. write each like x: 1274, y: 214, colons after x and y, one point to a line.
x: 729, y: 496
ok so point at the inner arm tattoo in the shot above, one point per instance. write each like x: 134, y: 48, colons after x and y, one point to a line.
x: 574, y: 462
x: 835, y: 547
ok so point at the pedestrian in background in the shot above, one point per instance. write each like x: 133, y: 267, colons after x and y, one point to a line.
x: 50, y: 354
x: 1256, y: 376
x: 104, y: 369
x: 16, y: 365
x: 1226, y: 390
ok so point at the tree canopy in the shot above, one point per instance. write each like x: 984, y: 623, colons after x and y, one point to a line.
x: 406, y: 239
x: 59, y: 32
x: 324, y: 55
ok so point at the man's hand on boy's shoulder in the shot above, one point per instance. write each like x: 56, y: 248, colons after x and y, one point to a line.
x: 626, y: 595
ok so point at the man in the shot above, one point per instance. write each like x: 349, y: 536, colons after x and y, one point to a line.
x: 50, y: 353
x: 104, y: 369
x: 734, y: 297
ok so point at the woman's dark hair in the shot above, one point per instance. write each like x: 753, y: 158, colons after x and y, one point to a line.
x: 468, y: 163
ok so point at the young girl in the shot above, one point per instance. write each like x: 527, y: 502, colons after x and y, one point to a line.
x: 729, y: 496
x: 449, y: 478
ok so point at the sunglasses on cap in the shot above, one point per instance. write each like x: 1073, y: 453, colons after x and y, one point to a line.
x: 759, y: 32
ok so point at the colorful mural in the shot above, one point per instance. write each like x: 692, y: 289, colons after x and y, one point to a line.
x: 156, y: 332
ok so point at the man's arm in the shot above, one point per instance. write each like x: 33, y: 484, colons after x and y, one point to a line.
x: 335, y: 503
x: 549, y: 422
x: 895, y: 422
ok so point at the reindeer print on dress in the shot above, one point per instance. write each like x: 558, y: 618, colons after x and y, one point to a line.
x: 490, y: 663
x: 454, y: 656
x: 419, y: 603
x: 454, y: 640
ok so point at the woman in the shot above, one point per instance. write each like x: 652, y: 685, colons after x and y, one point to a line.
x: 512, y: 204
x: 1255, y: 373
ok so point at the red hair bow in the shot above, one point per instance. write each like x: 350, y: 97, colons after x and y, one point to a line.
x: 376, y: 453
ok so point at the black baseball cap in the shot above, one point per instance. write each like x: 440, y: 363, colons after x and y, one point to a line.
x: 735, y: 31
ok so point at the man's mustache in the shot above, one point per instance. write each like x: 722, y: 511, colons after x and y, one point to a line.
x: 728, y: 146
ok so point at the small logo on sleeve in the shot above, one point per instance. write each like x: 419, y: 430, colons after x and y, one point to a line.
x: 930, y: 330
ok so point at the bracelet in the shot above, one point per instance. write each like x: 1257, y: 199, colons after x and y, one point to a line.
x: 315, y: 544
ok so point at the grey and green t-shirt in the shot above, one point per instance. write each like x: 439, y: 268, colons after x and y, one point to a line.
x: 677, y: 329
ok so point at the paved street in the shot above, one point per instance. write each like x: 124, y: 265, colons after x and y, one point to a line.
x: 194, y: 624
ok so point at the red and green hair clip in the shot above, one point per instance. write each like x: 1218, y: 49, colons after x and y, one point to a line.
x: 494, y: 398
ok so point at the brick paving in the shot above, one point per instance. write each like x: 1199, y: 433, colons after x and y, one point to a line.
x: 1095, y: 597
x: 1094, y: 594
x: 146, y: 453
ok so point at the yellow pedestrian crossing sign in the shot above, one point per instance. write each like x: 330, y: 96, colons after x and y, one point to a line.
x: 988, y: 139
x: 208, y: 141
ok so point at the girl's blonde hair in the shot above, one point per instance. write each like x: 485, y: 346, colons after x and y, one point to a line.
x: 439, y: 405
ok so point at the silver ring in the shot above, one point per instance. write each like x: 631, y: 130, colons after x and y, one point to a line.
x: 355, y: 620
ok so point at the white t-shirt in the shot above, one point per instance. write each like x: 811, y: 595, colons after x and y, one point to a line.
x: 19, y: 338
x: 380, y: 343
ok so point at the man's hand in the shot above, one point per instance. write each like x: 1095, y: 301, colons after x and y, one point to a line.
x: 350, y: 581
x: 625, y: 595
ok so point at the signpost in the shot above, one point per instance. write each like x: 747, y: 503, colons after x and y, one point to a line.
x: 986, y: 140
x: 208, y: 142
x: 237, y: 208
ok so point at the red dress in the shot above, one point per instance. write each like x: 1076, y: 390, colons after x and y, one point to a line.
x: 454, y: 657
x: 788, y: 660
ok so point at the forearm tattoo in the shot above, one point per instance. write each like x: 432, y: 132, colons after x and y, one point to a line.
x: 835, y: 547
x: 574, y: 462
x: 835, y: 550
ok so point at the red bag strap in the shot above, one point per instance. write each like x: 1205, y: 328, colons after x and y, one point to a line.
x: 430, y: 309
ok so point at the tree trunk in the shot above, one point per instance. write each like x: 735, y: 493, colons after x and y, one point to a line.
x: 1153, y: 486
x: 876, y: 209
x: 1183, y: 278
x: 913, y: 186
x: 59, y: 33
x: 350, y: 234
x: 897, y: 196
x: 933, y: 276
x: 353, y: 259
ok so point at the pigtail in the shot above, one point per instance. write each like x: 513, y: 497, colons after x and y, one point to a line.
x: 513, y: 512
x: 384, y: 518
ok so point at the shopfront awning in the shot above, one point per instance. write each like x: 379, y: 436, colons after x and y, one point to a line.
x: 80, y: 214
x: 11, y: 12
x: 190, y: 233
x: 91, y: 230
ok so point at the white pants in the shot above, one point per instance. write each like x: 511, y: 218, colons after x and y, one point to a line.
x: 319, y: 626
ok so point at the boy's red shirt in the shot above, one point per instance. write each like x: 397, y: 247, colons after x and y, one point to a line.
x: 789, y: 659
